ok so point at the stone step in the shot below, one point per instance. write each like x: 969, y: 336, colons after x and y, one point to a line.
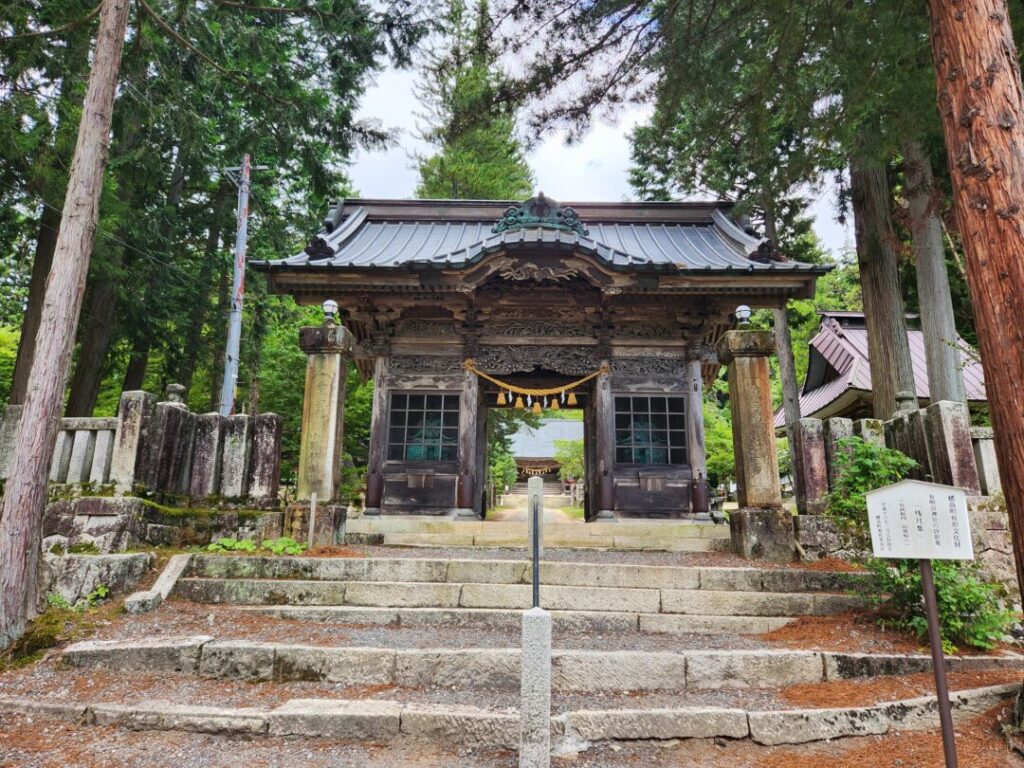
x: 572, y: 732
x: 557, y: 541
x: 494, y: 668
x: 510, y: 620
x: 480, y: 571
x: 392, y: 594
x: 658, y: 529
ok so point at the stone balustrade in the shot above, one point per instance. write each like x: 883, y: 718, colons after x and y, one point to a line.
x: 164, y: 448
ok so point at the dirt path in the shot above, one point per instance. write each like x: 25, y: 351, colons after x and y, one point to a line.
x: 515, y: 512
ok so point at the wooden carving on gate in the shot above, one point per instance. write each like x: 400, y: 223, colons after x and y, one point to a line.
x: 540, y: 211
x: 571, y: 361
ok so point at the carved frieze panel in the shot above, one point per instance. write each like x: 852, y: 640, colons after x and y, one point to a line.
x: 522, y: 271
x: 647, y: 331
x: 412, y: 365
x: 432, y: 328
x: 571, y: 361
x: 524, y: 328
x: 649, y: 366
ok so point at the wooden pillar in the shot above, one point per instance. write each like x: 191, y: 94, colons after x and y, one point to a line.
x: 323, y: 410
x: 604, y: 447
x: 469, y: 411
x: 481, y: 456
x: 378, y: 436
x: 695, y: 410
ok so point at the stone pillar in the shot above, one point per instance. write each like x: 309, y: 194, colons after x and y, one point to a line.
x: 469, y: 413
x: 170, y: 457
x: 100, y: 472
x: 265, y: 475
x: 918, y: 440
x: 695, y: 407
x: 810, y: 467
x: 83, y: 444
x: 134, y: 424
x: 949, y: 434
x: 234, y: 466
x: 870, y: 431
x: 323, y: 412
x: 604, y: 444
x: 835, y: 430
x: 761, y: 528
x: 378, y: 436
x: 207, y: 452
x: 985, y: 459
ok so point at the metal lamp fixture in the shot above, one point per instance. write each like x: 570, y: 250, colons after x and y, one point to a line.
x: 743, y: 313
x: 330, y: 312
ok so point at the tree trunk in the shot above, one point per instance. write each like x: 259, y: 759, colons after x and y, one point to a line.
x: 220, y: 326
x: 49, y: 224
x: 135, y: 373
x: 201, y: 313
x: 95, y: 335
x: 945, y: 379
x: 25, y: 492
x: 888, y: 346
x: 981, y: 104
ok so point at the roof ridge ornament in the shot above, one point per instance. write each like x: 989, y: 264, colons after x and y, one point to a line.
x: 541, y: 211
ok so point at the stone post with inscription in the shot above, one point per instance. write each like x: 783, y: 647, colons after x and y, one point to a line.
x: 761, y: 528
x: 329, y: 348
x: 469, y: 411
x: 378, y: 434
x: 604, y: 439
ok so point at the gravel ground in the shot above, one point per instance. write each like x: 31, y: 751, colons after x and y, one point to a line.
x: 28, y: 743
x: 179, y: 617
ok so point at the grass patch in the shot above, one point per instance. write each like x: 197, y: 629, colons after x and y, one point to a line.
x: 576, y: 513
x: 60, y: 623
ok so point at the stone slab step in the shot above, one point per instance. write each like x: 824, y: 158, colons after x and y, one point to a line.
x: 388, y: 594
x: 510, y: 620
x: 574, y: 731
x: 564, y: 541
x: 572, y: 670
x: 436, y: 525
x: 484, y: 571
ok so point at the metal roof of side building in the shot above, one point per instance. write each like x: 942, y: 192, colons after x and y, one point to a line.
x: 688, y: 236
x: 539, y: 443
x: 838, y: 380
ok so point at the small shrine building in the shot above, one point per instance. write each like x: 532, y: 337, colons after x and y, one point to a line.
x: 457, y: 307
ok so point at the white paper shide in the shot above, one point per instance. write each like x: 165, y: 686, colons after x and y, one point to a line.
x: 916, y: 520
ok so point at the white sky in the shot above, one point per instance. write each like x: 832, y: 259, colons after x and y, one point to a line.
x: 594, y: 169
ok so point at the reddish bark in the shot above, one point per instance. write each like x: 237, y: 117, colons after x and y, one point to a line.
x: 981, y: 105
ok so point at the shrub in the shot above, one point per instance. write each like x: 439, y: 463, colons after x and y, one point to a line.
x: 862, y: 467
x: 970, y: 611
x: 232, y: 545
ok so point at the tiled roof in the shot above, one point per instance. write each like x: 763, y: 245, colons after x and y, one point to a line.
x: 392, y: 234
x: 840, y: 365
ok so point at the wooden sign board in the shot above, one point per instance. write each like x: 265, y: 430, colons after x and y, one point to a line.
x: 916, y: 520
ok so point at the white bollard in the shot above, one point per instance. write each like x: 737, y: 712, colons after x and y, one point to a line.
x: 535, y: 494
x: 535, y: 697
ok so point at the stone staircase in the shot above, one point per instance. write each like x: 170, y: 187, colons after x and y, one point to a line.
x: 653, y: 535
x: 423, y: 648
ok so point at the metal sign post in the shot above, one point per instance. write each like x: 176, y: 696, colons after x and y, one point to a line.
x: 535, y: 512
x: 922, y: 521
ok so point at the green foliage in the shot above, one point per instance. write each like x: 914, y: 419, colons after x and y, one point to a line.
x: 57, y: 600
x: 228, y: 544
x: 569, y: 455
x: 98, y: 595
x: 283, y: 546
x: 477, y: 155
x: 8, y: 353
x: 503, y: 470
x: 862, y: 467
x: 970, y: 610
x: 718, y: 443
x: 83, y: 548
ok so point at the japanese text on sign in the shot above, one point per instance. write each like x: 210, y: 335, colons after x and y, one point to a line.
x: 918, y: 520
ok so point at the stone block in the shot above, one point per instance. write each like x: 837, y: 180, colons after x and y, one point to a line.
x: 763, y: 534
x: 535, y: 690
x: 75, y: 577
x: 238, y: 660
x: 751, y: 669
x: 464, y: 725
x: 103, y: 452
x: 165, y: 654
x: 207, y: 447
x: 349, y: 666
x: 83, y: 444
x: 560, y: 598
x: 328, y: 523
x: 337, y: 719
x: 132, y: 437
x: 949, y: 434
x: 708, y: 603
x: 397, y: 595
x: 477, y: 668
x: 835, y: 430
x: 684, y: 624
x: 618, y: 671
x: 810, y: 467
x: 803, y: 725
x: 870, y: 431
x: 234, y: 470
x: 846, y: 666
x: 497, y: 572
x: 61, y: 462
x: 646, y: 724
x: 163, y: 716
x: 918, y: 446
x: 170, y: 458
x: 985, y: 460
x: 265, y: 472
x: 245, y: 592
x: 616, y: 576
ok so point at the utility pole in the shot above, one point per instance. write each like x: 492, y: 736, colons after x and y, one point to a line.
x: 25, y: 492
x: 234, y: 341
